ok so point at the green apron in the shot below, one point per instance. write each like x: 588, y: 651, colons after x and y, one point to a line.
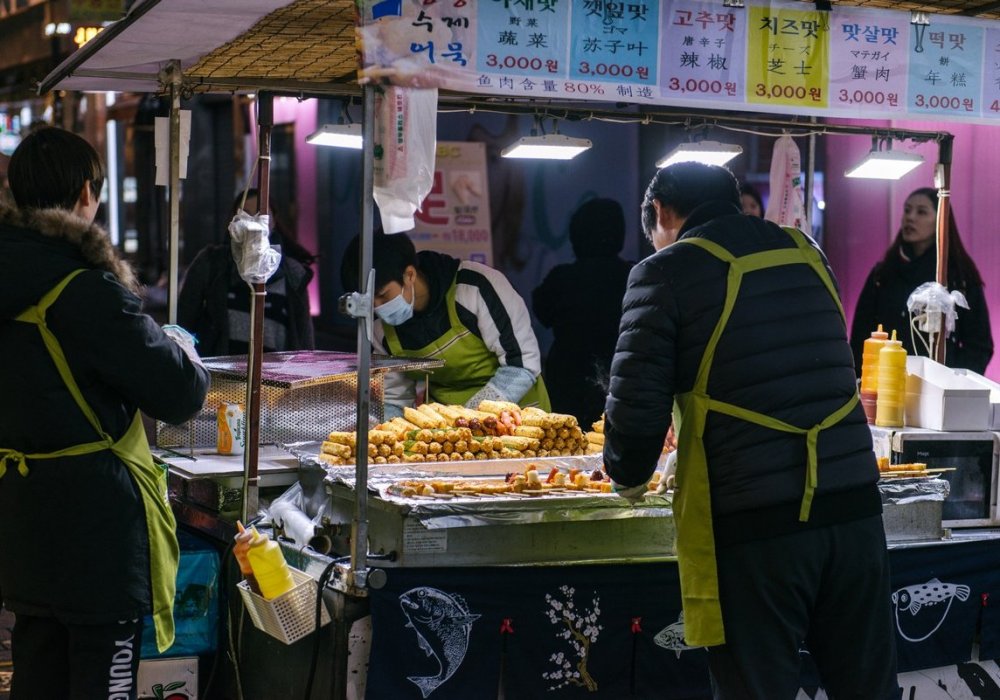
x: 692, y: 498
x: 468, y: 363
x: 132, y: 449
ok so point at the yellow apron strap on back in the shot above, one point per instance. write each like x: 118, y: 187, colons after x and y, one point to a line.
x: 817, y: 264
x: 36, y: 315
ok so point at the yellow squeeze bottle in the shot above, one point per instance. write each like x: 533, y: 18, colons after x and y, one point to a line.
x: 869, y: 371
x: 269, y: 567
x: 891, y: 384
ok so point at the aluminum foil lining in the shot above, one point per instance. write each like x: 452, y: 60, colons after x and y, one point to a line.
x: 903, y: 490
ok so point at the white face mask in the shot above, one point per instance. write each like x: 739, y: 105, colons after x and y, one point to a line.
x: 396, y: 311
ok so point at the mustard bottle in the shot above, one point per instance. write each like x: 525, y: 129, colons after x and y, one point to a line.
x: 269, y: 567
x: 869, y: 371
x: 891, y: 384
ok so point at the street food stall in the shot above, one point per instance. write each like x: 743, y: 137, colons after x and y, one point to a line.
x: 511, y: 575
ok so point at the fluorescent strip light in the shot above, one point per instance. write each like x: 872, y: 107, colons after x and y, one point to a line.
x: 549, y: 147
x: 885, y: 165
x: 707, y: 152
x: 337, y: 135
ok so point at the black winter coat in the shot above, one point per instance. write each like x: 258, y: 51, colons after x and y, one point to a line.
x: 203, y: 303
x: 73, y: 541
x: 582, y: 303
x: 784, y: 353
x: 883, y: 300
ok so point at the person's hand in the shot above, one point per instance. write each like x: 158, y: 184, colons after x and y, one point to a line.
x: 632, y: 494
x: 185, y: 340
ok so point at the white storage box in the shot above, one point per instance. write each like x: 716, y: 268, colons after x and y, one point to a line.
x: 994, y: 393
x: 168, y: 678
x: 939, y: 398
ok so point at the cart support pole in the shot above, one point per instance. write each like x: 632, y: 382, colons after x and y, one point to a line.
x: 173, y: 248
x: 942, y: 178
x: 359, y: 521
x: 251, y: 455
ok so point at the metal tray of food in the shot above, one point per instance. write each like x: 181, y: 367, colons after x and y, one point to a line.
x: 552, y: 526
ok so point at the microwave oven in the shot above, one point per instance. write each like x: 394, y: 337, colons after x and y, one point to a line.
x: 970, y: 457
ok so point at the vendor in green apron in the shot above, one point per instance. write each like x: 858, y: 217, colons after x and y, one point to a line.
x: 432, y: 306
x: 87, y: 540
x: 733, y: 332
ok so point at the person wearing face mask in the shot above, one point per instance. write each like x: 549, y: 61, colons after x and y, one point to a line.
x: 87, y: 540
x: 431, y: 305
x: 910, y: 261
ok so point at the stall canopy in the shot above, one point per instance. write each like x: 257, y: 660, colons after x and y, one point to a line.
x: 221, y: 46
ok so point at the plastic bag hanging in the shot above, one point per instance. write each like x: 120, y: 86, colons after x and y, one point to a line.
x: 786, y: 206
x: 405, y: 144
x: 933, y: 307
x: 249, y: 237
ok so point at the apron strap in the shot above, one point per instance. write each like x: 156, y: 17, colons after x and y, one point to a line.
x: 803, y: 254
x: 36, y: 315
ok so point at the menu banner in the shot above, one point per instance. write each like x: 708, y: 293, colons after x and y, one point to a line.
x: 776, y: 56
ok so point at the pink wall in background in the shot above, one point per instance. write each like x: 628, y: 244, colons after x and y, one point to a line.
x: 862, y: 216
x: 303, y: 116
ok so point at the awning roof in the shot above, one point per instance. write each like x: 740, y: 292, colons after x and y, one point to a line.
x: 289, y: 45
x: 221, y: 45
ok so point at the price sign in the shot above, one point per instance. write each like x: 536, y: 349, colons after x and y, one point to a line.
x: 991, y: 75
x: 523, y: 38
x: 946, y: 69
x: 868, y: 61
x: 787, y: 57
x: 614, y: 41
x: 703, y: 51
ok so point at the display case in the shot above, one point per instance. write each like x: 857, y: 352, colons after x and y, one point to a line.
x: 304, y: 396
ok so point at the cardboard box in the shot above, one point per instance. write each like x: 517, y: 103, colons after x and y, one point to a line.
x: 994, y: 393
x: 939, y: 398
x: 169, y: 679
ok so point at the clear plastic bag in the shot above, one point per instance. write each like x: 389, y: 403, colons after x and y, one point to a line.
x: 255, y: 258
x: 932, y: 306
x: 405, y: 144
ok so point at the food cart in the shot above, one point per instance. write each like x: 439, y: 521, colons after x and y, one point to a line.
x: 508, y: 631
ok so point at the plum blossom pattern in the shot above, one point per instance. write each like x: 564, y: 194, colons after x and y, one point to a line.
x: 579, y: 629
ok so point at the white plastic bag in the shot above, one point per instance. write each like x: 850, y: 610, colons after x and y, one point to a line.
x: 786, y: 205
x: 932, y: 305
x: 250, y: 241
x: 405, y: 144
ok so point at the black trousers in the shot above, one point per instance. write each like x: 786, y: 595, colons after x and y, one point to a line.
x: 53, y: 661
x: 827, y: 588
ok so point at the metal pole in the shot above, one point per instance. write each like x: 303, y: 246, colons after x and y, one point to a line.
x: 173, y: 246
x: 265, y: 120
x: 810, y: 176
x: 359, y: 521
x: 942, y: 179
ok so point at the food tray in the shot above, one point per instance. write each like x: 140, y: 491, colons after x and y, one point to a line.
x: 292, y: 615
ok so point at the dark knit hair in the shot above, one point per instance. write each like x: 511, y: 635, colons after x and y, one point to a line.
x: 597, y: 229
x: 684, y: 186
x: 962, y: 271
x: 392, y: 253
x: 50, y: 167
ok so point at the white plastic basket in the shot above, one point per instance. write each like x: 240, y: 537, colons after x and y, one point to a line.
x: 292, y: 615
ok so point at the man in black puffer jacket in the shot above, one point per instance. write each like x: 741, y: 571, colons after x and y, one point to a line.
x: 736, y: 325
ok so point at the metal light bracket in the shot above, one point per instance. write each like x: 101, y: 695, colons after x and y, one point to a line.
x: 361, y: 305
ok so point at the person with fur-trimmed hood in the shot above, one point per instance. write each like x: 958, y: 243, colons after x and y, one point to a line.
x: 87, y: 541
x: 735, y: 330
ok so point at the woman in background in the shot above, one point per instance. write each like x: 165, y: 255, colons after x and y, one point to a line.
x: 910, y: 261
